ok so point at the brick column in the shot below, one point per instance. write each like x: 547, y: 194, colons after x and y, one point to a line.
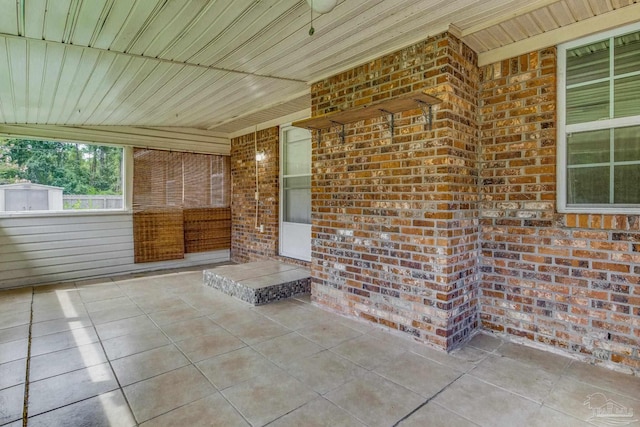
x: 247, y: 242
x: 395, y: 224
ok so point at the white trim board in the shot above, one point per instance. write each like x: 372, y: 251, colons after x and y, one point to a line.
x: 179, y: 139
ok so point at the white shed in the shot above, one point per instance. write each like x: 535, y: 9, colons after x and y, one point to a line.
x: 26, y: 196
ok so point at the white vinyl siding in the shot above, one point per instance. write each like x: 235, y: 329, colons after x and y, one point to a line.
x: 599, y: 123
x: 46, y: 249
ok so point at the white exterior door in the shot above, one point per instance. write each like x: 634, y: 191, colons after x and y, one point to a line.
x: 295, y: 193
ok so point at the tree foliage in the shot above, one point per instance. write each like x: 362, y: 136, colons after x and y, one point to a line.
x: 78, y: 168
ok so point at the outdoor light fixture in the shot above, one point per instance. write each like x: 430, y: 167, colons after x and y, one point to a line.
x: 260, y: 156
x: 322, y: 6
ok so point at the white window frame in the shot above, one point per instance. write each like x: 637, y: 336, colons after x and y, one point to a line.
x: 564, y: 129
x: 127, y: 183
x: 285, y: 226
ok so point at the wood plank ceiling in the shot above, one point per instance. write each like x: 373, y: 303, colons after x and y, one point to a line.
x: 223, y: 65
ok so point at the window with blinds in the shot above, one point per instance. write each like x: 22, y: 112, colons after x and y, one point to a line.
x: 599, y: 123
x: 180, y: 204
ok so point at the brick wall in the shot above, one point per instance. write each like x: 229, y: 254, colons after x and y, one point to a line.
x: 396, y: 238
x: 569, y: 281
x: 395, y: 226
x: 247, y: 242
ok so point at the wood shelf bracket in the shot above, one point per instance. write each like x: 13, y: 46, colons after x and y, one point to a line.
x: 342, y: 132
x: 390, y: 121
x: 319, y: 130
x: 427, y: 113
x: 387, y: 107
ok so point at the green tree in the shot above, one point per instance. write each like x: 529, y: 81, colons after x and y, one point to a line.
x: 10, y: 172
x: 78, y: 168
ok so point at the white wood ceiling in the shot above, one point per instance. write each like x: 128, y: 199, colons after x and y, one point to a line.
x: 225, y: 65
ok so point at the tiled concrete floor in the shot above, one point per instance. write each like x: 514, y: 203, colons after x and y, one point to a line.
x: 165, y: 350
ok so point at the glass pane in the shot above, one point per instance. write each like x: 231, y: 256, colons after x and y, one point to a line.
x: 588, y: 185
x: 627, y: 144
x: 587, y: 63
x: 588, y: 103
x: 297, y: 152
x: 297, y: 158
x: 627, y: 53
x: 627, y: 96
x: 56, y: 176
x: 297, y: 205
x: 626, y: 188
x: 588, y: 147
x: 297, y: 182
x: 297, y: 134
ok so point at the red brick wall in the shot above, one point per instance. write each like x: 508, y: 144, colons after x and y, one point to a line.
x: 395, y: 225
x: 395, y: 221
x: 569, y: 281
x: 247, y: 243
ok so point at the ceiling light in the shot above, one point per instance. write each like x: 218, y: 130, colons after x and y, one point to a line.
x: 322, y: 6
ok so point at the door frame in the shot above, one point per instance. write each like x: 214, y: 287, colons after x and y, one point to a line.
x: 291, y: 227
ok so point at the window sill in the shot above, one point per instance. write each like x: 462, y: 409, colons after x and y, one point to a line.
x: 597, y: 210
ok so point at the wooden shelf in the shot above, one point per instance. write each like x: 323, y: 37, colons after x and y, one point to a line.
x: 401, y: 103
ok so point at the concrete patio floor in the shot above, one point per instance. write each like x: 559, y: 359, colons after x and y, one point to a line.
x: 165, y: 350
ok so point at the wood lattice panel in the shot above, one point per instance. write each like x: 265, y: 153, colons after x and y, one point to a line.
x: 158, y: 235
x: 207, y: 229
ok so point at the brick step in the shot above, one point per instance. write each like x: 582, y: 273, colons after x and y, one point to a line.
x: 259, y: 282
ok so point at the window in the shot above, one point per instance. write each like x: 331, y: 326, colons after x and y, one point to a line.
x: 296, y: 176
x: 599, y: 123
x: 38, y: 175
